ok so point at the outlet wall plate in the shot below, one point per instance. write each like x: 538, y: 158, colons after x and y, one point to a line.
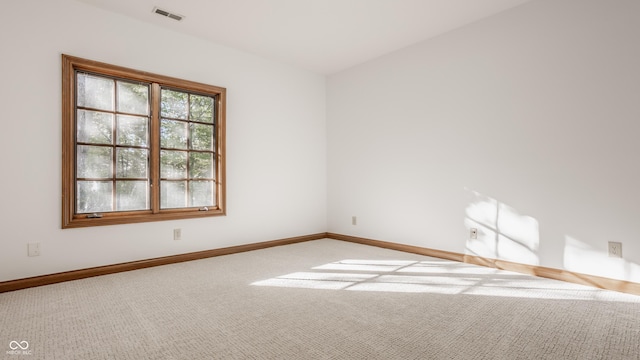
x: 33, y: 249
x: 615, y: 249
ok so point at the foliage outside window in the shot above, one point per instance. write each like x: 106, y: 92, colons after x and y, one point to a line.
x: 138, y: 146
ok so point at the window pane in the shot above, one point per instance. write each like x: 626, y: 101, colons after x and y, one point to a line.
x: 131, y: 163
x: 201, y: 108
x: 94, y: 196
x: 173, y: 134
x: 174, y: 104
x: 139, y: 146
x: 133, y: 130
x: 201, y: 137
x: 132, y: 195
x: 173, y: 164
x: 95, y: 92
x: 133, y: 98
x: 200, y: 165
x: 94, y: 161
x: 95, y: 127
x: 201, y: 193
x: 173, y: 194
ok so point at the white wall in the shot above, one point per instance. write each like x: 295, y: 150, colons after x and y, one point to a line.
x: 276, y: 139
x: 524, y: 125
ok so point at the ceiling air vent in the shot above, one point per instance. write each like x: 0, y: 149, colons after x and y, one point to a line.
x: 167, y: 14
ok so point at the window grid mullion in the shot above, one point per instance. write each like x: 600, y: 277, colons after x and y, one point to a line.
x: 189, y: 129
x: 114, y: 130
x: 155, y: 148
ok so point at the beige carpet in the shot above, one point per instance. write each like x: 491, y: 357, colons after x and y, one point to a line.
x: 324, y: 299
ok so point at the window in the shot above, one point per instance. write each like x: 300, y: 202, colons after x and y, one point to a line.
x: 138, y: 146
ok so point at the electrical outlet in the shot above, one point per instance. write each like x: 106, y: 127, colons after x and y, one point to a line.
x: 33, y: 249
x: 177, y: 234
x: 615, y: 249
x: 473, y: 234
x: 354, y: 220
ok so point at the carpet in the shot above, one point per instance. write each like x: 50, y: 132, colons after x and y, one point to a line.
x: 322, y: 299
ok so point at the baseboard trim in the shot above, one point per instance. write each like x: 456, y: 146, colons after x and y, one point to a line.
x: 18, y: 284
x: 550, y: 273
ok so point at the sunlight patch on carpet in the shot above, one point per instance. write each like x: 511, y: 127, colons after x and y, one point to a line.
x: 433, y: 277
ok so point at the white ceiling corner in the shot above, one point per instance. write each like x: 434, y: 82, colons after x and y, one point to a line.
x: 324, y: 36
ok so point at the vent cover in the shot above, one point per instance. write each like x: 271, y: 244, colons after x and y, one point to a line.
x: 167, y: 14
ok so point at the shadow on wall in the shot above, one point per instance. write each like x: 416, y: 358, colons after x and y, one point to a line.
x: 503, y: 233
x: 583, y: 258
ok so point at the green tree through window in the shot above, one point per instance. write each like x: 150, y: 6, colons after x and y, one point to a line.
x: 187, y: 134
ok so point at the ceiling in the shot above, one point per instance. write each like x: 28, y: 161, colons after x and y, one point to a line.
x: 324, y: 36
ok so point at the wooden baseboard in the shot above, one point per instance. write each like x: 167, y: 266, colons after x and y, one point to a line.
x: 134, y: 265
x: 550, y: 273
x: 568, y: 276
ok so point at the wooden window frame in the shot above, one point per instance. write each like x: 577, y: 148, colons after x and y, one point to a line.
x: 71, y: 65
